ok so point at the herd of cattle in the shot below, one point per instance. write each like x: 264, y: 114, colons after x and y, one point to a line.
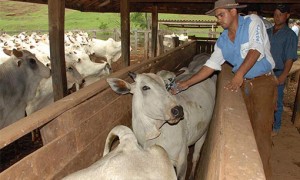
x: 25, y: 78
x: 164, y: 125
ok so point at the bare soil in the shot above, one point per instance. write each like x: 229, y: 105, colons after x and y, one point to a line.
x: 285, y: 157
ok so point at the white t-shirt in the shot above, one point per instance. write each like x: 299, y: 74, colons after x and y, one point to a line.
x: 295, y: 28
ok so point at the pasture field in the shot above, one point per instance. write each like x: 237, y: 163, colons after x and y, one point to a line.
x: 21, y: 16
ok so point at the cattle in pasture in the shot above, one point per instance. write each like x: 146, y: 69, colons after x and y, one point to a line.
x: 20, y: 76
x: 128, y: 160
x: 151, y: 107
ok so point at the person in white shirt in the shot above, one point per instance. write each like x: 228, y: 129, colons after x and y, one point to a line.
x: 256, y: 9
x: 295, y: 28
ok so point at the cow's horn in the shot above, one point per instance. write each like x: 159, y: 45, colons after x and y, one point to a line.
x: 132, y: 75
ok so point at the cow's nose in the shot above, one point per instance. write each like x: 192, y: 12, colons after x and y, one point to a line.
x: 177, y: 112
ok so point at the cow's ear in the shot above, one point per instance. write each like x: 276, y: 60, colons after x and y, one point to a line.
x: 180, y: 71
x: 132, y: 75
x: 7, y: 52
x: 119, y: 86
x: 17, y: 53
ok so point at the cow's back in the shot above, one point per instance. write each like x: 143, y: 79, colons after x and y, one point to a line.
x: 198, y: 104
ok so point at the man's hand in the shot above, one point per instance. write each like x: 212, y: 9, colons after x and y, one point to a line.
x: 235, y: 83
x: 180, y: 86
x: 281, y: 79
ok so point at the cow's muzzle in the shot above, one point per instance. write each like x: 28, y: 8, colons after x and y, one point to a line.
x: 177, y: 112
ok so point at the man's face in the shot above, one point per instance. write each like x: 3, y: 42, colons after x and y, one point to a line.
x: 252, y: 12
x: 224, y: 17
x: 280, y: 18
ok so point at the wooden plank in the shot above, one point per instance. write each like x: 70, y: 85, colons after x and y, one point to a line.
x: 92, y: 152
x: 56, y: 11
x: 154, y: 31
x: 125, y: 29
x: 92, y: 109
x: 296, y: 111
x: 176, y: 60
x: 226, y: 154
x: 45, y: 162
x: 103, y: 120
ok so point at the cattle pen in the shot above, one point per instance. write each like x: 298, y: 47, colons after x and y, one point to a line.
x: 74, y: 128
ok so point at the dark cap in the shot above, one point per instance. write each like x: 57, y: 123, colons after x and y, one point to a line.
x: 283, y: 8
x: 253, y: 7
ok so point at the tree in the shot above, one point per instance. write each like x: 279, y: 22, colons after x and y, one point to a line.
x: 139, y: 19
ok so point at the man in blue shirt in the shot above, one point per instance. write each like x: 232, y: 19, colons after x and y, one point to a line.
x: 244, y: 44
x: 284, y: 44
x: 255, y: 8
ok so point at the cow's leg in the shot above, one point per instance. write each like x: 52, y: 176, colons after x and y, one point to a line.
x: 196, y: 154
x: 182, y: 163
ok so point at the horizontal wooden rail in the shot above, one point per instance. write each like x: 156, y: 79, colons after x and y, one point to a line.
x: 230, y: 150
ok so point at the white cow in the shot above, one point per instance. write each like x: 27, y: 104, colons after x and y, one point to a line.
x: 110, y: 49
x: 128, y: 161
x: 197, y: 62
x: 44, y: 92
x: 19, y: 77
x: 168, y: 41
x: 152, y: 105
x: 89, y: 70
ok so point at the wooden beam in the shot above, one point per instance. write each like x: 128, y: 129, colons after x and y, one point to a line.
x: 125, y: 31
x: 154, y: 31
x: 296, y: 111
x: 56, y: 11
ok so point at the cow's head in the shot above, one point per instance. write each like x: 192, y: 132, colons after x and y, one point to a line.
x: 28, y: 61
x: 152, y: 104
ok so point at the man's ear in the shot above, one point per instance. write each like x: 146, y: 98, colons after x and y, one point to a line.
x: 233, y: 11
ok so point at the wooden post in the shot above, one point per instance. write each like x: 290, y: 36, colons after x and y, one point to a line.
x: 146, y: 44
x: 125, y: 31
x: 296, y: 111
x: 161, y: 44
x: 135, y: 40
x: 56, y: 11
x: 176, y: 41
x: 154, y: 31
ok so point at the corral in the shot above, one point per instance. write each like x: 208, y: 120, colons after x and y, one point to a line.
x: 77, y: 125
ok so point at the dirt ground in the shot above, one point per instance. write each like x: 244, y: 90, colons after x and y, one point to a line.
x: 285, y: 157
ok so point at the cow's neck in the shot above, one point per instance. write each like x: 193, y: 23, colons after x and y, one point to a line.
x: 144, y: 127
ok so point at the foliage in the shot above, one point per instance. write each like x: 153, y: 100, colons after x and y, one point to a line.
x: 139, y: 19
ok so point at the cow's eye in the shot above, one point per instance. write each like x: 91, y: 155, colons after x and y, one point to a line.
x: 170, y: 79
x: 32, y: 61
x: 70, y: 69
x: 146, y: 88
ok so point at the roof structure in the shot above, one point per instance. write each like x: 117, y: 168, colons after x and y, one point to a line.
x: 188, y: 23
x: 169, y: 6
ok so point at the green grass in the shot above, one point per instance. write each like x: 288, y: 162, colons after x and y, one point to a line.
x: 19, y: 16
